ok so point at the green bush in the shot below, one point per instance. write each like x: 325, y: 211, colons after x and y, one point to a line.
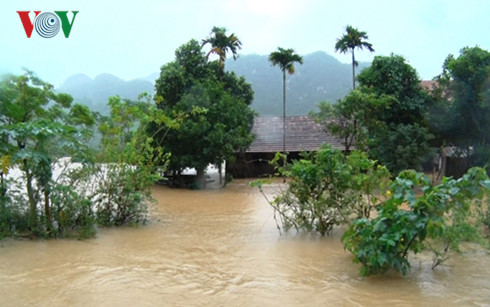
x: 38, y: 128
x: 122, y: 195
x: 72, y: 213
x: 419, y: 215
x: 326, y: 189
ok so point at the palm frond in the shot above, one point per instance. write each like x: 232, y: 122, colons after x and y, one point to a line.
x: 221, y: 44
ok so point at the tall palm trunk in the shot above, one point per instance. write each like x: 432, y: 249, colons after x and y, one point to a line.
x: 284, y: 119
x: 353, y: 70
x: 284, y: 112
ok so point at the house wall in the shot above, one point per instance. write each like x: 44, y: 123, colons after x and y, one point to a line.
x: 251, y: 165
x: 255, y: 165
x: 456, y: 167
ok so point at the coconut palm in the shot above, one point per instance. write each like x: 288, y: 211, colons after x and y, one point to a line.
x: 285, y: 59
x: 222, y: 44
x: 353, y: 38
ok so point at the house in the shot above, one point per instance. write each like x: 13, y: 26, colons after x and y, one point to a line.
x: 451, y: 161
x: 302, y: 134
x: 429, y: 85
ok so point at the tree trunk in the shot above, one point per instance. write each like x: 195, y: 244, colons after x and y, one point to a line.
x: 200, y: 182
x: 32, y: 201
x: 47, y: 211
x: 443, y: 161
x: 220, y: 172
x: 3, y: 193
x: 353, y: 70
x: 3, y: 189
x: 284, y: 118
x: 284, y: 112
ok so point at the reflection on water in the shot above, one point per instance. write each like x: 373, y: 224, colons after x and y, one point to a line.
x: 221, y: 247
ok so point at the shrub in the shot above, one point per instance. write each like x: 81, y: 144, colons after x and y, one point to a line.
x: 72, y: 213
x: 123, y: 194
x: 326, y: 189
x: 418, y: 215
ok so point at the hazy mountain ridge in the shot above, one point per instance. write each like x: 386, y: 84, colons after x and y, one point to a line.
x: 321, y: 77
x: 96, y: 92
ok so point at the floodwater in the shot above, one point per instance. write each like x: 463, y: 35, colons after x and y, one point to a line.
x: 222, y: 248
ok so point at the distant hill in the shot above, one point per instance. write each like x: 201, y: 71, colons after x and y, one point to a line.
x: 96, y: 92
x: 321, y: 77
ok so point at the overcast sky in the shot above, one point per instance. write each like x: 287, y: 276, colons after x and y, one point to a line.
x: 134, y: 39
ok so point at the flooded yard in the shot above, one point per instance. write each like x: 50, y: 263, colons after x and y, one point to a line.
x: 222, y: 248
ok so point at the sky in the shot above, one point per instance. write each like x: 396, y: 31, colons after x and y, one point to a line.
x: 133, y: 39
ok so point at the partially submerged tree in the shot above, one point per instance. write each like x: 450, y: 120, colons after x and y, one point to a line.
x: 130, y: 162
x: 38, y: 127
x: 326, y: 189
x: 215, y: 111
x: 61, y: 192
x: 352, y: 39
x: 439, y: 219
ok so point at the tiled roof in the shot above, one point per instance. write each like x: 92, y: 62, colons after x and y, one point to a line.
x: 429, y: 84
x: 302, y: 134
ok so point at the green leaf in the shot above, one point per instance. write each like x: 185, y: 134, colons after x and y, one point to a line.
x: 485, y: 184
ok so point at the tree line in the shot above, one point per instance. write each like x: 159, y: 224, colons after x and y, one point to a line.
x: 199, y: 115
x: 52, y: 183
x: 389, y: 125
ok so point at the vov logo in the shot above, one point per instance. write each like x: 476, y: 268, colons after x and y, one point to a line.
x: 47, y: 24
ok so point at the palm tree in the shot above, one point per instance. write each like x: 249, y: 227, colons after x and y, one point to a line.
x: 348, y: 42
x: 221, y: 44
x: 285, y: 59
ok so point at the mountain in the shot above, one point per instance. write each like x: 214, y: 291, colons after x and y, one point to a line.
x: 96, y: 92
x: 321, y: 77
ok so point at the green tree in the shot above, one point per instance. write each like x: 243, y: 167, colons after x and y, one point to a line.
x: 352, y: 39
x: 401, y: 138
x: 392, y: 75
x: 352, y: 118
x: 221, y: 44
x: 38, y: 127
x: 129, y: 162
x: 178, y: 76
x: 465, y: 101
x: 285, y: 59
x: 385, y: 115
x: 215, y: 115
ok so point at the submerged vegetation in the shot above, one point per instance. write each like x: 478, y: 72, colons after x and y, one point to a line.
x: 55, y: 196
x: 326, y: 189
x: 53, y: 184
x: 386, y: 219
x: 213, y: 105
x: 418, y: 215
x: 201, y: 114
x: 391, y: 124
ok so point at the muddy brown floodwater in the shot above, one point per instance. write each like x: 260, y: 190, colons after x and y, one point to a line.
x: 222, y: 248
